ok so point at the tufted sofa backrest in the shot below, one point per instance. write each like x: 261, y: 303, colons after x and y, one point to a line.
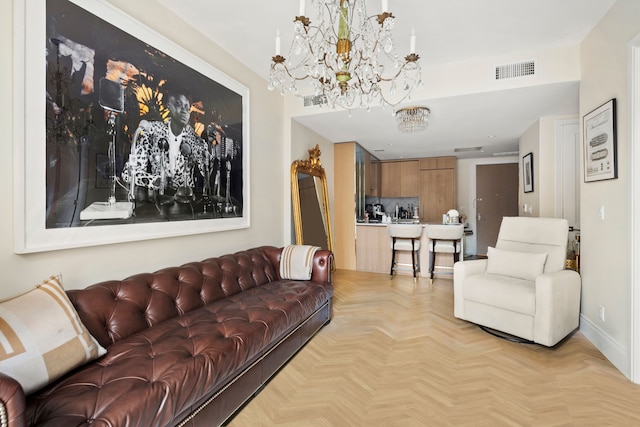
x: 116, y: 309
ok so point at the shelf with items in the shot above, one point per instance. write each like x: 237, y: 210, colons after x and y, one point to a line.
x: 573, y: 253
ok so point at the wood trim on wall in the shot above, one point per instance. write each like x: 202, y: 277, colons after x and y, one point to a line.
x: 344, y: 248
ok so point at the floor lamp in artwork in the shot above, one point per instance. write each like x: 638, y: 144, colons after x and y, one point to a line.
x: 111, y: 99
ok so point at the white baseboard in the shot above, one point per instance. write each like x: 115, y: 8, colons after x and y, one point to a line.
x: 617, y: 353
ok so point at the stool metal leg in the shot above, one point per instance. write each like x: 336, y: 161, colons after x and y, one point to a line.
x: 413, y: 259
x: 432, y: 265
x: 393, y: 257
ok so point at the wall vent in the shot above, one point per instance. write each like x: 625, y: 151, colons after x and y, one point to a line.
x: 312, y: 100
x: 519, y: 69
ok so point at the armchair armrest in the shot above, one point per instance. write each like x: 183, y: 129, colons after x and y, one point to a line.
x: 12, y: 402
x: 462, y: 270
x: 557, y: 306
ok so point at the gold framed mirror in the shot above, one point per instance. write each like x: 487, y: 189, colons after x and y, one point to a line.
x: 310, y: 198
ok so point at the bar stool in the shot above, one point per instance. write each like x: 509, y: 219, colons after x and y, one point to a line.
x: 444, y: 239
x: 405, y: 237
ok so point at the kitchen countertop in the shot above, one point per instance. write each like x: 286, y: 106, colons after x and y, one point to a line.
x: 408, y: 222
x: 467, y: 230
x: 384, y: 224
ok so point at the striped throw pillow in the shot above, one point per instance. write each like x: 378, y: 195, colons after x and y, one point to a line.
x: 296, y: 262
x: 42, y: 337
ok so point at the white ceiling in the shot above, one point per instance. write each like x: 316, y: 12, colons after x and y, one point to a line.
x: 447, y: 32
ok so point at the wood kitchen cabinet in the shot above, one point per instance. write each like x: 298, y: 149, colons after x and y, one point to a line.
x: 438, y: 163
x: 437, y: 187
x: 373, y: 250
x: 399, y: 179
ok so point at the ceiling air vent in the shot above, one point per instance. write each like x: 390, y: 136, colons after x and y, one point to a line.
x: 312, y: 100
x: 467, y: 149
x: 518, y: 69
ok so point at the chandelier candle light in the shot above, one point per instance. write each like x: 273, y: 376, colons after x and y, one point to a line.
x: 345, y: 55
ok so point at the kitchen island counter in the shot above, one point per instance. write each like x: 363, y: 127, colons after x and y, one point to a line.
x: 373, y: 250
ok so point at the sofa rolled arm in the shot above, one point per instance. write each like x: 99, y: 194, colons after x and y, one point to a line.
x: 322, y: 266
x: 12, y: 402
x: 462, y: 270
x: 557, y: 306
x: 321, y: 270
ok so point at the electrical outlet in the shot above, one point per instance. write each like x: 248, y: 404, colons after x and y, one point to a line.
x: 601, y: 313
x: 602, y: 212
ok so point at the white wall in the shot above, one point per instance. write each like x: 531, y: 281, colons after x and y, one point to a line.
x: 530, y: 143
x: 605, y: 261
x: 558, y: 65
x: 81, y: 267
x: 546, y: 167
x: 540, y: 139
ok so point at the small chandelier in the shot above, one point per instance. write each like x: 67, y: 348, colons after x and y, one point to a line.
x: 412, y: 119
x: 340, y: 55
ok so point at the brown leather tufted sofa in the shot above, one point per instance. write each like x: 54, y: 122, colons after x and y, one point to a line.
x: 187, y: 346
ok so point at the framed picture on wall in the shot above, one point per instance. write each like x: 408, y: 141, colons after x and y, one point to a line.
x: 123, y: 135
x: 600, y: 145
x: 527, y: 173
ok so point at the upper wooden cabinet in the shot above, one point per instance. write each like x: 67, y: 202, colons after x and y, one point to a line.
x: 437, y: 193
x: 438, y: 163
x: 400, y: 179
x: 437, y: 187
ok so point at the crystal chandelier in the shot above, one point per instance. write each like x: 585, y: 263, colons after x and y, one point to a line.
x: 412, y: 119
x: 345, y: 55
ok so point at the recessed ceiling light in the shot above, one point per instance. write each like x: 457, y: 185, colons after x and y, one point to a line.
x: 491, y: 136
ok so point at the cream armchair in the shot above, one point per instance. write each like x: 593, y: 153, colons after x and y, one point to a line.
x: 522, y: 288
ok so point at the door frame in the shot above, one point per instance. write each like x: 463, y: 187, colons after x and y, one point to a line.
x: 634, y: 140
x: 561, y: 162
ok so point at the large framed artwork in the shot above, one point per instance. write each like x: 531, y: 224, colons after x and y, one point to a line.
x: 121, y: 134
x: 600, y: 145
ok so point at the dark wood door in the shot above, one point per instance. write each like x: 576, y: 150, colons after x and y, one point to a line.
x: 496, y: 197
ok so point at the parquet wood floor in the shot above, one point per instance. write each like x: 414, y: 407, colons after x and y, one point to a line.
x: 394, y: 355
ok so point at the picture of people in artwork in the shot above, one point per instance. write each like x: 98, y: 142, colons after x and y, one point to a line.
x: 165, y: 153
x: 125, y: 118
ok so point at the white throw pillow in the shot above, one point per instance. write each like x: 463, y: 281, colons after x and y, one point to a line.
x: 42, y: 336
x: 522, y: 265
